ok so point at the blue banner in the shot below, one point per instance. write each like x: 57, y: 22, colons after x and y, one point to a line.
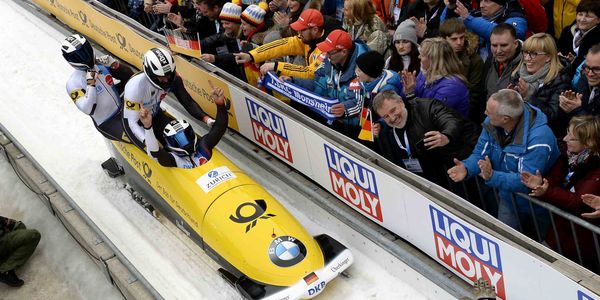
x: 317, y: 103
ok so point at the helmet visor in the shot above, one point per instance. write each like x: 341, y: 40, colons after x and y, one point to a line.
x: 178, y: 140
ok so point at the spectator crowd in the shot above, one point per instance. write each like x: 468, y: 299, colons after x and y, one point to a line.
x: 487, y: 98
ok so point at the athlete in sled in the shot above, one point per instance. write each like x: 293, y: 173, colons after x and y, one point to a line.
x: 185, y: 149
x: 146, y: 90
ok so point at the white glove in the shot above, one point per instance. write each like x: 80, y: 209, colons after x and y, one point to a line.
x: 106, y: 60
x: 210, y: 122
x: 90, y: 77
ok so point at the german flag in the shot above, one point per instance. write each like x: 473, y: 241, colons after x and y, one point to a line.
x: 310, y: 278
x: 366, y: 131
x: 183, y: 43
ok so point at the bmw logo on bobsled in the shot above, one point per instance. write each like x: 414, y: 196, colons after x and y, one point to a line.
x: 262, y: 249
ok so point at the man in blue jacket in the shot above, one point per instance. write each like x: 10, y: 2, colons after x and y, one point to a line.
x: 333, y: 78
x: 515, y: 138
x: 489, y: 15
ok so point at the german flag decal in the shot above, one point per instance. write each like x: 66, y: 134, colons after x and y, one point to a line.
x: 132, y: 105
x: 76, y: 94
x: 310, y: 278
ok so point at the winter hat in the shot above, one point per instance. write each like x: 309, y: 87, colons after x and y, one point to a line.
x: 371, y: 63
x: 231, y: 12
x: 406, y: 31
x: 254, y: 15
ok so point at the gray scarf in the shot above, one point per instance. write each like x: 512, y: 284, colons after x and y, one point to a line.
x: 533, y: 81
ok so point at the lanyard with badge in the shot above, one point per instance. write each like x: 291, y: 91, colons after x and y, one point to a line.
x: 411, y: 164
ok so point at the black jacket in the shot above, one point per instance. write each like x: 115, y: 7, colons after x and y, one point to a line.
x: 430, y: 115
x: 419, y: 10
x: 546, y: 97
x: 565, y: 45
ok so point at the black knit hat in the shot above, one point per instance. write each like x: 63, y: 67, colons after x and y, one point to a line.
x: 371, y: 63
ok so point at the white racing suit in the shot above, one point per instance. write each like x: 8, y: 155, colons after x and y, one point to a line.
x: 140, y: 92
x: 101, y: 102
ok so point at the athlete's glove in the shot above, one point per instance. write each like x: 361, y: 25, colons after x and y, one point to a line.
x: 90, y: 77
x: 107, y: 60
x: 210, y: 122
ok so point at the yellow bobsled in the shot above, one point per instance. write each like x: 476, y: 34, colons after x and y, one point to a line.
x: 261, y: 247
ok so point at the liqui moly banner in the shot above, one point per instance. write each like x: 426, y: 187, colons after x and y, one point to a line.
x: 465, y: 251
x: 353, y: 182
x: 315, y: 102
x: 269, y: 130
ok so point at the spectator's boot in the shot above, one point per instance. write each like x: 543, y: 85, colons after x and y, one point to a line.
x: 11, y: 278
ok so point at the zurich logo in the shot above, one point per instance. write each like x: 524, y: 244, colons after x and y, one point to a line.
x: 286, y: 251
x: 213, y: 174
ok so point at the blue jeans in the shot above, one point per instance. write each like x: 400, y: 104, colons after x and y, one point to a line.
x: 523, y: 221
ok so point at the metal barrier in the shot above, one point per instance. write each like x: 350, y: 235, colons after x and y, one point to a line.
x: 579, y: 228
x: 484, y: 197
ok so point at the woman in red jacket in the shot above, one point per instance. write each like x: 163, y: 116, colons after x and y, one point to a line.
x: 575, y: 173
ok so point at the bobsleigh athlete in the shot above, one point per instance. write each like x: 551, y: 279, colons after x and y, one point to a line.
x: 183, y: 148
x: 146, y: 90
x: 95, y: 86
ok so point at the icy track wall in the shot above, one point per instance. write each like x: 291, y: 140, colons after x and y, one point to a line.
x: 470, y: 251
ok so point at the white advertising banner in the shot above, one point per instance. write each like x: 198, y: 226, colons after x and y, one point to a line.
x: 462, y: 248
x: 271, y: 130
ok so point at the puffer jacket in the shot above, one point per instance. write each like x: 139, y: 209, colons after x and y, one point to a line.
x: 426, y: 115
x: 532, y: 148
x: 366, y: 91
x: 333, y: 83
x: 450, y: 90
x: 373, y: 34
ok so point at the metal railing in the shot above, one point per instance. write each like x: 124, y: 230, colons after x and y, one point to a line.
x: 541, y: 215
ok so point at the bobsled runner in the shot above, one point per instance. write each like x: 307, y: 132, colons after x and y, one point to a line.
x: 262, y: 249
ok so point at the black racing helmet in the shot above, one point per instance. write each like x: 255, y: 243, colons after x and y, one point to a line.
x: 78, y: 51
x: 159, y: 62
x: 180, y: 138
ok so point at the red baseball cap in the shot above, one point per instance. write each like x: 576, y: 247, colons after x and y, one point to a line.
x: 337, y: 39
x: 308, y: 18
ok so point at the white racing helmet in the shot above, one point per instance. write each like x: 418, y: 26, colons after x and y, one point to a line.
x: 159, y: 67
